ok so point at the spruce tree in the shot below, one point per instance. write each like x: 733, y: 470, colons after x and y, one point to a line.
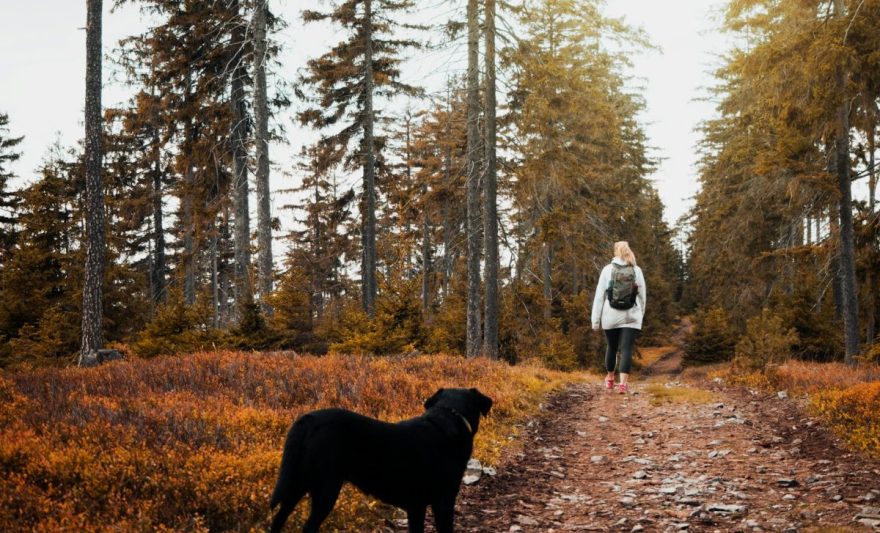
x: 347, y: 81
x: 319, y: 247
x: 8, y: 199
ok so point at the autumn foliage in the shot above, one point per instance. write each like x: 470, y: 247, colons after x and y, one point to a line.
x: 854, y: 413
x: 194, y: 442
x: 846, y: 398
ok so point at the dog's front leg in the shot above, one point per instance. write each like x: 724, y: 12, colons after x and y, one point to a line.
x: 415, y: 518
x: 444, y: 515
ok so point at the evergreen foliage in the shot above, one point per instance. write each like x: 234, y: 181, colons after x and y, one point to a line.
x: 767, y: 341
x: 572, y: 177
x: 771, y: 226
x: 712, y: 339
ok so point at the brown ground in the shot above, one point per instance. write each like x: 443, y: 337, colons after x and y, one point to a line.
x: 733, y: 460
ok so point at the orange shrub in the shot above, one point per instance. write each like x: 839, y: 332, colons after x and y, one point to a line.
x: 801, y: 377
x: 854, y: 413
x: 805, y: 377
x: 847, y: 398
x: 194, y: 442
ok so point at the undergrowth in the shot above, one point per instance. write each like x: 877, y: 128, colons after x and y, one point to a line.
x: 194, y: 443
x: 846, y: 398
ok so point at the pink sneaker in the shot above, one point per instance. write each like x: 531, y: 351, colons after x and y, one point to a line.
x: 609, y: 383
x: 622, y: 388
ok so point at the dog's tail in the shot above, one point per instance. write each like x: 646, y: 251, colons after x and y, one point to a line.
x: 290, y: 459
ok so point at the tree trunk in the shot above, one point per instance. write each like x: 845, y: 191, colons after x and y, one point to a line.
x: 547, y: 277
x: 447, y: 190
x: 189, y: 262
x: 215, y: 279
x: 809, y: 226
x: 426, y: 254
x: 426, y: 226
x: 157, y: 275
x: 474, y: 339
x: 871, y: 280
x: 261, y: 119
x: 242, y: 287
x: 224, y: 280
x: 319, y: 252
x: 847, y: 240
x: 92, y: 298
x: 834, y: 234
x: 368, y: 269
x: 490, y: 208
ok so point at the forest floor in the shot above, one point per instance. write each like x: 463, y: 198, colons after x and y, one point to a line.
x: 681, y: 452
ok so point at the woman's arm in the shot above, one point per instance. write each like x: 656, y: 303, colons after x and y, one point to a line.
x: 599, y: 299
x: 642, y: 295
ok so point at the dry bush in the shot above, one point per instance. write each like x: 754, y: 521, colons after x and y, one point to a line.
x: 767, y: 340
x: 194, y: 442
x: 854, y: 413
x: 802, y: 377
x: 845, y: 397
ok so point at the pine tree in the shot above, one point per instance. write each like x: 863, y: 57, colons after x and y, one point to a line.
x: 8, y: 154
x: 786, y: 155
x: 346, y: 81
x: 318, y: 249
x: 40, y: 280
x: 439, y: 155
x: 188, y: 62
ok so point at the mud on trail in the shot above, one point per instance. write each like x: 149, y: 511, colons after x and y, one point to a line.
x: 670, y: 457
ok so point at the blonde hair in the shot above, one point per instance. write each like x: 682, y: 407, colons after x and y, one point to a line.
x: 623, y: 252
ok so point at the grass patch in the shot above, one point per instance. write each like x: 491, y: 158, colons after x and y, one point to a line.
x: 661, y: 394
x: 652, y: 354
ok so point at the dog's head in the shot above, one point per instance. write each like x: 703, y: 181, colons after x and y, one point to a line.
x: 469, y: 403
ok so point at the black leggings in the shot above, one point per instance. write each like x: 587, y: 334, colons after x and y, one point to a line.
x: 623, y: 339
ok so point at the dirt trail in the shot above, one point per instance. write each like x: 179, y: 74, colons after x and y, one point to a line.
x: 737, y: 461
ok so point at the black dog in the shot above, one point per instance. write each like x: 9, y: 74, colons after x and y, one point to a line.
x: 411, y: 464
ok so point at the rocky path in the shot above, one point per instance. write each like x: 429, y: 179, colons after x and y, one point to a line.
x: 730, y: 460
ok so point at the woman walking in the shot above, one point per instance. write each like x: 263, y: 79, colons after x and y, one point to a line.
x: 618, y: 309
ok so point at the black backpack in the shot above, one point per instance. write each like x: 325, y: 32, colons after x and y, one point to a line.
x: 622, y: 289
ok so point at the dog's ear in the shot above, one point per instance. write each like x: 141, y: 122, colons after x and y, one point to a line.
x: 484, y: 403
x: 433, y: 399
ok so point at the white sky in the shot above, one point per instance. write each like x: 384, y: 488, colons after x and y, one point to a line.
x: 42, y: 65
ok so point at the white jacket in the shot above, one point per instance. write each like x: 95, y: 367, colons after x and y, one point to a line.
x: 611, y: 318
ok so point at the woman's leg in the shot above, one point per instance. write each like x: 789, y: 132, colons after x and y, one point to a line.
x: 612, y: 337
x: 627, y: 343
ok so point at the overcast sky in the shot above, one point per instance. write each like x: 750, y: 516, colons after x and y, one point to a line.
x: 42, y: 64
